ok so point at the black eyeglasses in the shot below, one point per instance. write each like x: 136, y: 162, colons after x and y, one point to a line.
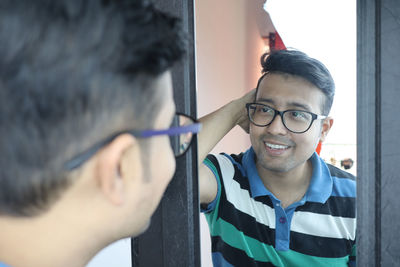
x: 296, y: 121
x: 181, y: 134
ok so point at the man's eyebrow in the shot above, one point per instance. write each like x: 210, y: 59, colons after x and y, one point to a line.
x: 267, y: 100
x: 290, y: 104
x: 300, y: 105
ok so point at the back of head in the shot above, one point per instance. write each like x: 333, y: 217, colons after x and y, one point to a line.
x: 71, y: 73
x: 297, y: 63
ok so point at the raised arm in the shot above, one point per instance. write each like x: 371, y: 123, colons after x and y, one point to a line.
x: 214, y: 127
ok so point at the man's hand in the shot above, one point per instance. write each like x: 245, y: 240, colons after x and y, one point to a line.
x: 218, y: 123
x: 243, y: 121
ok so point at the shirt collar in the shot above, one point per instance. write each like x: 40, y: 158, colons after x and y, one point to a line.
x: 320, y: 186
x: 257, y: 187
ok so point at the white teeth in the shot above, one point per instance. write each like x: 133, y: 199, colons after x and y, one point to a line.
x: 273, y: 146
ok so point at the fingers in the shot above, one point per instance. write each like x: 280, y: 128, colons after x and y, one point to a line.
x: 251, y: 96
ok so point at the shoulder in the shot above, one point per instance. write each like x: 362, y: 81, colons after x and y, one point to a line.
x: 226, y: 168
x: 344, y: 183
x: 336, y: 172
x: 224, y: 161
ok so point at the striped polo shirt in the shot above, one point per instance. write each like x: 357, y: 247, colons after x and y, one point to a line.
x: 249, y: 227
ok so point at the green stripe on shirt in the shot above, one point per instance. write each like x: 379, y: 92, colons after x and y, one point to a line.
x: 266, y: 253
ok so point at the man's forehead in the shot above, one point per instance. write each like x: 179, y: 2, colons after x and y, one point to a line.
x: 285, y: 78
x: 289, y: 90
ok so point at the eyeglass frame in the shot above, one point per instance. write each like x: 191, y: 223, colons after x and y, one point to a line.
x: 314, y: 116
x: 194, y: 128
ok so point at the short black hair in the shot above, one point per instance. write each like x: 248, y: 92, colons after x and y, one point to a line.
x: 297, y: 63
x: 71, y: 73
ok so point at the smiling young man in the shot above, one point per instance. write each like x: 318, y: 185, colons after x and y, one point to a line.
x: 278, y: 203
x: 86, y: 106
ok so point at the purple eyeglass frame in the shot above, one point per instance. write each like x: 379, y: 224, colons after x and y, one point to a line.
x: 81, y: 158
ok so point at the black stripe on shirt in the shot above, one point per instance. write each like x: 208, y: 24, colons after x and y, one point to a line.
x: 245, y: 222
x: 244, y: 183
x: 311, y: 245
x: 241, y: 180
x: 214, y: 161
x: 266, y: 200
x: 236, y: 257
x: 335, y: 206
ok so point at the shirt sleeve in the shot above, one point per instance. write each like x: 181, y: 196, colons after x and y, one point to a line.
x: 212, y: 163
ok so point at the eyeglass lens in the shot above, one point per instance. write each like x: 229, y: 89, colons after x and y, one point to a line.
x: 294, y: 120
x: 180, y: 143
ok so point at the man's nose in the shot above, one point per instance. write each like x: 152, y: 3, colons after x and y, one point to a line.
x: 277, y: 127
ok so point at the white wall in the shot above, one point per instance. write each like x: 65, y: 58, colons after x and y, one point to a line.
x: 314, y: 27
x: 117, y: 254
x: 228, y: 48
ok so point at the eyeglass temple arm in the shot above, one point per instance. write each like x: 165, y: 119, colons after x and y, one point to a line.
x: 192, y: 128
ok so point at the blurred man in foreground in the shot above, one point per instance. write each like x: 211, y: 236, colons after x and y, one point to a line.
x: 85, y: 115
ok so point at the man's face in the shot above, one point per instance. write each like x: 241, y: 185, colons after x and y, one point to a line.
x: 277, y: 149
x: 158, y: 166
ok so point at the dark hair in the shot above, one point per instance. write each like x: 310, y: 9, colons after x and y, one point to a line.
x: 300, y: 64
x: 71, y: 73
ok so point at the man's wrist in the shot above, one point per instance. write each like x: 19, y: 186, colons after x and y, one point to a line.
x: 238, y: 111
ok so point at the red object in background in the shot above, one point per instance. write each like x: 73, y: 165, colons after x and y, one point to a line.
x: 318, y: 150
x: 275, y: 42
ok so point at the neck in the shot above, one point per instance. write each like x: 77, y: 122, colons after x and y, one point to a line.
x: 46, y: 241
x: 290, y: 186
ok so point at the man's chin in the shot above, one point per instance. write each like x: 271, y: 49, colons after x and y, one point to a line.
x: 277, y: 168
x: 144, y: 228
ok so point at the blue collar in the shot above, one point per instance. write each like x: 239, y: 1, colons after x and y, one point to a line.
x: 321, y: 181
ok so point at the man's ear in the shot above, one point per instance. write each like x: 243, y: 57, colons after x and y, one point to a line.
x: 108, y: 167
x: 326, y: 126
